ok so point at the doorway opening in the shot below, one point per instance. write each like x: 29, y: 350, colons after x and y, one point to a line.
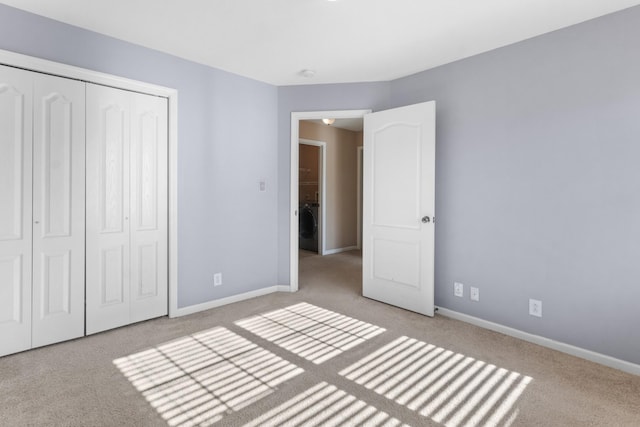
x: 328, y: 246
x: 312, y: 169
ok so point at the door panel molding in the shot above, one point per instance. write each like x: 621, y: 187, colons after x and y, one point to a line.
x: 57, y: 145
x: 11, y: 303
x: 14, y: 102
x: 56, y: 287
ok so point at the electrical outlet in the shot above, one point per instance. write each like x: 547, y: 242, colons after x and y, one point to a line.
x: 458, y: 289
x: 217, y: 279
x: 535, y: 307
x: 474, y: 293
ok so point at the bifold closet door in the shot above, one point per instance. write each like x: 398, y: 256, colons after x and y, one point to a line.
x: 149, y: 206
x: 16, y: 92
x: 126, y: 211
x: 58, y: 209
x: 41, y: 209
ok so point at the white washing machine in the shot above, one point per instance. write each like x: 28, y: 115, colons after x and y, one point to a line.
x: 308, y: 226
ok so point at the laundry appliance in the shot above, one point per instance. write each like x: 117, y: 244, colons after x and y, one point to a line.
x: 308, y: 226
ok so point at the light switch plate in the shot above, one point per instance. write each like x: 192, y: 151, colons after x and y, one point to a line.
x: 474, y: 293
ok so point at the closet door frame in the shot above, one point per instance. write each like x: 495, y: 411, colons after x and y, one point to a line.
x: 49, y: 67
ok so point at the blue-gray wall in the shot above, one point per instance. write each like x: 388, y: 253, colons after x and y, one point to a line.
x: 538, y: 184
x: 537, y: 180
x: 227, y: 143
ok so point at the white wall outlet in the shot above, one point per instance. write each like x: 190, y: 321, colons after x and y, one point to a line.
x: 217, y: 279
x: 458, y: 289
x: 535, y: 307
x: 474, y: 293
x: 262, y: 185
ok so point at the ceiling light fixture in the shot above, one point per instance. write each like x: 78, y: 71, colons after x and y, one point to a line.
x: 328, y: 122
x: 307, y: 73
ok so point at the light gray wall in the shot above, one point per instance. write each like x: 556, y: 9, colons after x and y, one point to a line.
x: 538, y: 182
x: 227, y: 143
x: 537, y: 179
x: 358, y: 96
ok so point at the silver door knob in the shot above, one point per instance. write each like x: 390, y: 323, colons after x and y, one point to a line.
x: 426, y: 219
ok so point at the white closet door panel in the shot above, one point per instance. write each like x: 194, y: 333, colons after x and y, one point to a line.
x: 15, y: 209
x: 148, y: 207
x: 58, y: 209
x: 107, y: 208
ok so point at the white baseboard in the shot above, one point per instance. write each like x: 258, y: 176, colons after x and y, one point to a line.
x: 339, y: 250
x: 184, y: 311
x: 592, y: 356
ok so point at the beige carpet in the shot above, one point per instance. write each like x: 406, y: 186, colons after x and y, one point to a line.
x: 323, y: 356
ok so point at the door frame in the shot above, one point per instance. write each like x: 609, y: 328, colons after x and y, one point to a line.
x: 31, y: 63
x: 360, y: 154
x: 296, y: 116
x: 322, y: 188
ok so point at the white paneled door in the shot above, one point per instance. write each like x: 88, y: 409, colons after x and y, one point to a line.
x: 148, y: 207
x: 41, y: 209
x: 126, y: 255
x: 399, y: 207
x: 83, y: 208
x: 107, y: 254
x: 16, y: 91
x: 58, y: 209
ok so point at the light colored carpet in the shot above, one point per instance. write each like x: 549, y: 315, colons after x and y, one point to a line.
x: 322, y: 356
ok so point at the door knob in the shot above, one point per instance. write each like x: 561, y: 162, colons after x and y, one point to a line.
x: 426, y: 219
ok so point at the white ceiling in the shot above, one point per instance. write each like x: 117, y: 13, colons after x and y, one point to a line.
x: 341, y: 40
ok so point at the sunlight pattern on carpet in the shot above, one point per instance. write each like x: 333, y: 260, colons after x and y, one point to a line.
x: 197, y: 380
x: 447, y: 387
x: 327, y: 406
x: 311, y: 332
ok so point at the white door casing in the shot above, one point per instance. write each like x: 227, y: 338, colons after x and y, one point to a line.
x: 294, y: 180
x: 126, y: 253
x: 58, y: 209
x: 16, y: 209
x: 399, y: 207
x: 359, y: 197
